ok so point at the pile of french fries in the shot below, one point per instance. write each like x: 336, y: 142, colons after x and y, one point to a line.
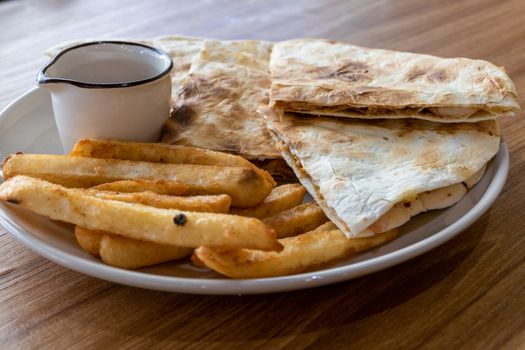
x: 140, y: 204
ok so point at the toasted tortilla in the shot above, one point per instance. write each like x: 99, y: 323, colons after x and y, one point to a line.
x: 358, y: 170
x: 217, y: 104
x: 182, y: 50
x: 323, y: 77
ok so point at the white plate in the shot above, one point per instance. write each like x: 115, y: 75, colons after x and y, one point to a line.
x: 27, y: 125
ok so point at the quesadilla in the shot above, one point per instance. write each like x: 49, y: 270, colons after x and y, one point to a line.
x: 323, y: 77
x: 217, y: 104
x: 358, y: 170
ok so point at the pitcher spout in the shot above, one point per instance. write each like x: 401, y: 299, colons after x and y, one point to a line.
x: 43, y: 81
x: 49, y: 77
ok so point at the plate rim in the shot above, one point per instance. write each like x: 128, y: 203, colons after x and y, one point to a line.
x: 257, y: 285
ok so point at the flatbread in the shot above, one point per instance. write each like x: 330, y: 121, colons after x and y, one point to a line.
x: 323, y: 77
x: 358, y: 170
x: 182, y: 50
x: 216, y: 107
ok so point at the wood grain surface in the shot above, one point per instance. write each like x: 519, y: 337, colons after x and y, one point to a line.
x: 466, y: 294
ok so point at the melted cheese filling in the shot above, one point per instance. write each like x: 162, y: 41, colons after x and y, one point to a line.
x: 442, y: 112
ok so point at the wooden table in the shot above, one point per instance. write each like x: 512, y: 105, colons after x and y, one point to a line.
x: 468, y: 293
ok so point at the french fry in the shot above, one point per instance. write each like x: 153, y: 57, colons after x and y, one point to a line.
x: 246, y: 186
x: 327, y: 226
x: 89, y: 240
x: 297, y: 220
x: 115, y: 251
x: 155, y: 152
x: 219, y: 203
x: 155, y: 186
x: 159, y: 153
x: 133, y: 254
x: 162, y: 226
x: 281, y: 198
x: 300, y: 253
x: 125, y: 252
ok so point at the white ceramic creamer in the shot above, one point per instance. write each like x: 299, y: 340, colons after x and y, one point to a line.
x: 109, y: 90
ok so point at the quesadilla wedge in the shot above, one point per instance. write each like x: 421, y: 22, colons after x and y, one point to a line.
x: 359, y: 170
x: 323, y: 77
x: 217, y: 105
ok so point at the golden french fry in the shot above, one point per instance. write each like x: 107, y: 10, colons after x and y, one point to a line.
x: 125, y: 252
x: 297, y: 220
x: 327, y: 226
x: 155, y: 152
x: 281, y: 198
x: 246, y: 186
x: 219, y: 203
x: 159, y: 153
x: 133, y: 254
x: 162, y: 226
x: 155, y: 186
x: 89, y: 240
x: 196, y: 261
x: 300, y: 253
